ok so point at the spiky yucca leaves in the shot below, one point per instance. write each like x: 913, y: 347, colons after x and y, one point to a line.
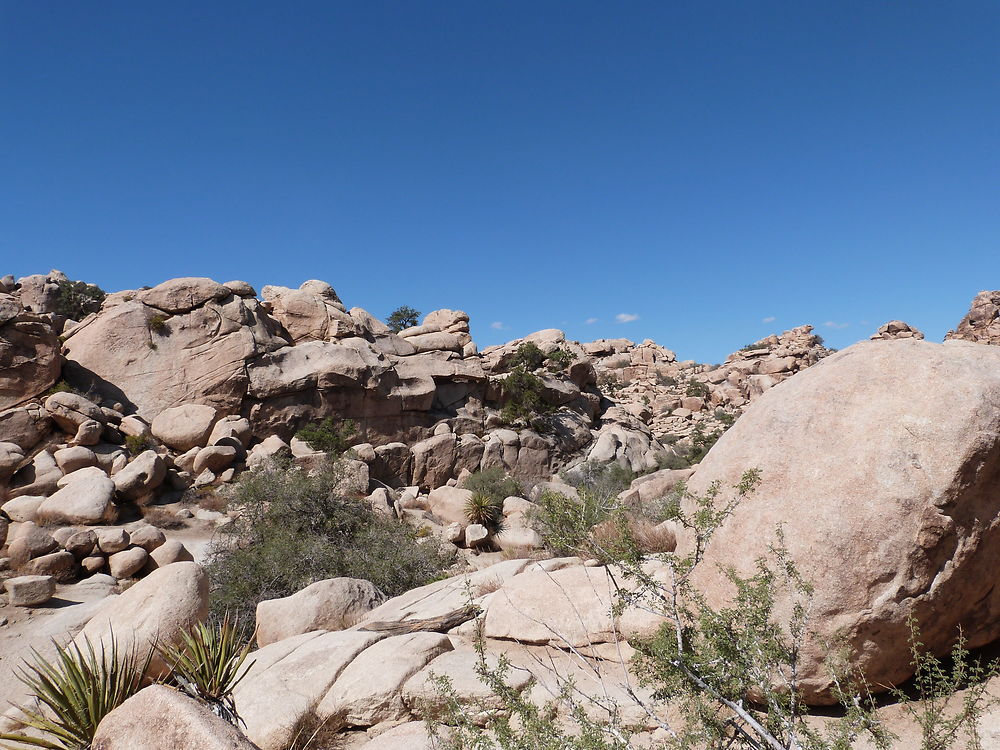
x: 75, y: 691
x: 208, y: 664
x: 485, y: 510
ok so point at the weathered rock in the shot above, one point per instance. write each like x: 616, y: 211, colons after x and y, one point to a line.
x: 134, y: 426
x: 200, y: 353
x: 61, y: 565
x: 162, y: 718
x: 30, y: 361
x: 886, y: 456
x: 215, y: 458
x: 434, y: 460
x: 185, y: 427
x: 35, y: 540
x: 24, y: 426
x: 332, y: 604
x: 81, y: 543
x: 11, y: 458
x: 311, y: 313
x: 88, y: 433
x: 895, y: 329
x: 87, y: 500
x: 112, y: 539
x: 368, y: 691
x: 77, y: 457
x: 127, y: 563
x: 142, y: 475
x: 982, y: 323
x: 156, y: 609
x: 30, y: 591
x: 70, y: 410
x: 476, y: 535
x: 168, y: 553
x: 23, y: 508
x: 40, y: 477
x: 183, y: 294
x: 146, y: 536
x: 448, y: 504
x: 287, y: 679
x: 231, y: 426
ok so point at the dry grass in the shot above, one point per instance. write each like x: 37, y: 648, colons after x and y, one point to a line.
x: 162, y: 518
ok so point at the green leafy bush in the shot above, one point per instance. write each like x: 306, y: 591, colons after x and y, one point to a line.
x: 524, y: 402
x: 402, y: 317
x: 528, y: 356
x: 158, y: 323
x: 136, y: 444
x: 61, y: 387
x: 75, y: 691
x: 77, y: 299
x: 329, y: 436
x: 697, y: 388
x: 494, y: 483
x: 559, y: 359
x: 292, y: 528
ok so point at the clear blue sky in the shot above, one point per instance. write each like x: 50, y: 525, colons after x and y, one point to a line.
x: 719, y: 170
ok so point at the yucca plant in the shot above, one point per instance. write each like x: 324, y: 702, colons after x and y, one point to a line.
x: 75, y: 691
x: 486, y: 510
x: 208, y: 664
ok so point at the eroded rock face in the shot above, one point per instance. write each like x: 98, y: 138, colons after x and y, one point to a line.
x: 30, y: 361
x: 332, y: 604
x: 177, y: 343
x: 982, y: 323
x: 882, y: 464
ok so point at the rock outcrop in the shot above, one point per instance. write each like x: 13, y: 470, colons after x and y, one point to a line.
x: 982, y: 323
x: 881, y: 467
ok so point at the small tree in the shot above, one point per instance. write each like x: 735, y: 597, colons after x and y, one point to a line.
x: 402, y: 317
x: 77, y: 299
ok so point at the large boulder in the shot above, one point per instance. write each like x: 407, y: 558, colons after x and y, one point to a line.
x: 161, y: 718
x: 180, y: 342
x: 30, y: 361
x: 88, y: 499
x: 185, y: 427
x: 157, y: 609
x: 70, y: 410
x: 311, y: 313
x: 881, y: 465
x: 333, y: 604
x: 142, y: 475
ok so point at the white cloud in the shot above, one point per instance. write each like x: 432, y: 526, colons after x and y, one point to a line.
x: 626, y: 317
x: 769, y: 319
x: 833, y: 324
x: 498, y: 326
x: 590, y: 321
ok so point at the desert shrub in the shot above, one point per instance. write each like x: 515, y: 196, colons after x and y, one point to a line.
x: 669, y: 438
x: 485, y: 510
x: 291, y: 528
x: 136, y: 444
x: 666, y: 380
x: 402, y: 317
x: 157, y: 323
x: 208, y: 664
x: 609, y: 383
x: 77, y: 299
x: 671, y: 459
x: 329, y: 436
x: 494, y: 483
x: 697, y: 388
x: 60, y: 387
x: 528, y: 356
x: 701, y: 443
x: 754, y: 347
x: 559, y: 359
x: 727, y: 418
x: 75, y: 691
x: 162, y: 518
x: 523, y: 399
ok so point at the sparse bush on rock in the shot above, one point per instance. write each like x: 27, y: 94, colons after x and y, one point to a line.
x: 77, y: 299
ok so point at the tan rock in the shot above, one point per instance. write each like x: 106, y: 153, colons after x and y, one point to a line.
x: 87, y: 500
x: 127, y: 563
x: 142, y: 475
x: 183, y: 294
x: 434, y: 460
x: 332, y: 604
x: 185, y: 427
x: 30, y: 361
x: 884, y: 457
x: 162, y: 718
x: 30, y: 591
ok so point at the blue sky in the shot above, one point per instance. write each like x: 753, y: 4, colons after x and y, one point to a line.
x: 697, y: 173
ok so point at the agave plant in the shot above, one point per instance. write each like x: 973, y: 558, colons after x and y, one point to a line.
x: 74, y: 691
x: 208, y: 664
x: 485, y: 510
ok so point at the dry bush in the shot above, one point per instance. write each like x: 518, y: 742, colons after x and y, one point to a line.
x: 162, y: 518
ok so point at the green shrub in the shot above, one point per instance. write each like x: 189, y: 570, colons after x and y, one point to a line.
x: 402, y: 317
x: 522, y: 392
x: 158, y: 323
x: 61, y: 387
x: 754, y: 347
x: 727, y: 418
x: 75, y: 691
x: 666, y: 380
x: 207, y: 664
x: 610, y: 384
x: 560, y: 359
x: 701, y: 443
x: 77, y: 299
x: 136, y: 444
x: 494, y: 483
x: 292, y: 528
x: 485, y: 510
x: 329, y: 436
x: 697, y: 388
x: 528, y: 356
